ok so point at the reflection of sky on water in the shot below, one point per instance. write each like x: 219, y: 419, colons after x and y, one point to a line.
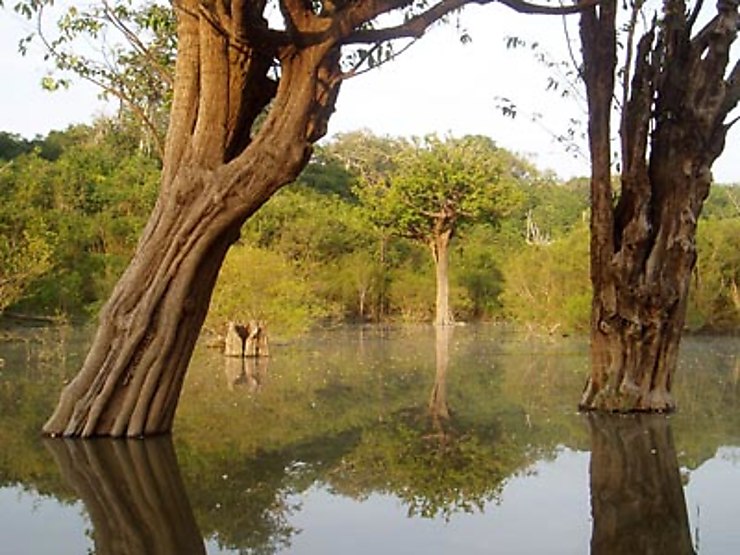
x: 34, y: 525
x: 544, y: 511
x: 713, y: 501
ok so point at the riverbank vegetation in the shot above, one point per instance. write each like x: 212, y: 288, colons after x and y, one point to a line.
x: 340, y: 245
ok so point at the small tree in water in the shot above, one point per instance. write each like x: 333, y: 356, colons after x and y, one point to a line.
x: 434, y: 187
x: 677, y: 98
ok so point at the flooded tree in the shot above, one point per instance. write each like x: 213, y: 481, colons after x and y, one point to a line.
x: 251, y: 96
x: 432, y: 187
x: 677, y: 98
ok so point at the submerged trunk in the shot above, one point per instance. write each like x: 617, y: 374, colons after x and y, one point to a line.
x: 643, y: 248
x: 637, y: 499
x: 215, y: 176
x: 440, y: 252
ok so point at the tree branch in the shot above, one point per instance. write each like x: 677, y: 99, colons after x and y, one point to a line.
x: 137, y: 44
x: 416, y: 26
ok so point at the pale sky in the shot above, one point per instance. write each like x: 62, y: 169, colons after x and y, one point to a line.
x: 439, y: 85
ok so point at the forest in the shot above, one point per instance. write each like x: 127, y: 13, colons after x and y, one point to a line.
x: 348, y: 242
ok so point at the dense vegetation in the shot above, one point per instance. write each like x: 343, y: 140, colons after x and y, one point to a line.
x: 321, y: 252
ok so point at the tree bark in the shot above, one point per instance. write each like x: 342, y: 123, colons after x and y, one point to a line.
x: 440, y: 252
x: 216, y: 174
x: 133, y: 494
x: 637, y: 497
x: 643, y: 247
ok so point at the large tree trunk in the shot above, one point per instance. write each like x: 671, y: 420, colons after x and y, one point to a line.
x: 643, y: 248
x: 637, y: 497
x: 440, y: 246
x: 215, y: 176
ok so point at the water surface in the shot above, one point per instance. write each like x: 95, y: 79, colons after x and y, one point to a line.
x: 394, y: 440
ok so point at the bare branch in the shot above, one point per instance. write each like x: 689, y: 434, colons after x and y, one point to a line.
x: 355, y: 71
x: 136, y: 43
x: 118, y: 93
x: 416, y: 26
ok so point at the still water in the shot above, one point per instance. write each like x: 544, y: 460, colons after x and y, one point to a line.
x: 365, y: 441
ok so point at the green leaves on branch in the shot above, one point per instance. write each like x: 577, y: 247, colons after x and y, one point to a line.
x: 125, y: 49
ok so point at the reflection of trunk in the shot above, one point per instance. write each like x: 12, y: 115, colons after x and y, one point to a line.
x: 133, y: 493
x: 440, y: 251
x: 636, y: 494
x: 643, y: 250
x: 245, y: 372
x: 438, y: 407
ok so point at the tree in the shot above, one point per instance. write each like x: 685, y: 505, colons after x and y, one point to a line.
x: 643, y: 250
x: 435, y: 186
x: 250, y: 99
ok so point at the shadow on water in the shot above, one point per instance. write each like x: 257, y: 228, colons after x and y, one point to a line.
x: 637, y: 498
x: 133, y: 492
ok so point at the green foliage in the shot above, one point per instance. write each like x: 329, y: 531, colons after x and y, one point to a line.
x: 258, y: 284
x: 75, y: 201
x: 23, y: 259
x: 72, y: 220
x: 12, y: 145
x: 714, y: 297
x: 548, y: 285
x: 133, y: 58
x: 434, y: 182
x: 477, y: 269
x: 723, y: 202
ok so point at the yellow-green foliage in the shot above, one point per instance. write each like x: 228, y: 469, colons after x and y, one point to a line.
x: 548, y: 285
x: 258, y: 284
x: 714, y: 300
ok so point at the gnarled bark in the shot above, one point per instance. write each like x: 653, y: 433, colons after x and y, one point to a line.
x: 643, y: 249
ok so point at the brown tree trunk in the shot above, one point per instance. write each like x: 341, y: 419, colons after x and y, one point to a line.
x: 637, y: 497
x: 643, y: 248
x: 215, y: 176
x: 133, y: 494
x: 440, y: 252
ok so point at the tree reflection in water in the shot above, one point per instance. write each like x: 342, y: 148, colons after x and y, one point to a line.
x: 248, y: 372
x: 438, y: 407
x: 637, y: 498
x: 133, y: 492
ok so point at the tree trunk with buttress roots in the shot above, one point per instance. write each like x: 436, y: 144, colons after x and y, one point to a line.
x: 216, y: 174
x: 643, y: 247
